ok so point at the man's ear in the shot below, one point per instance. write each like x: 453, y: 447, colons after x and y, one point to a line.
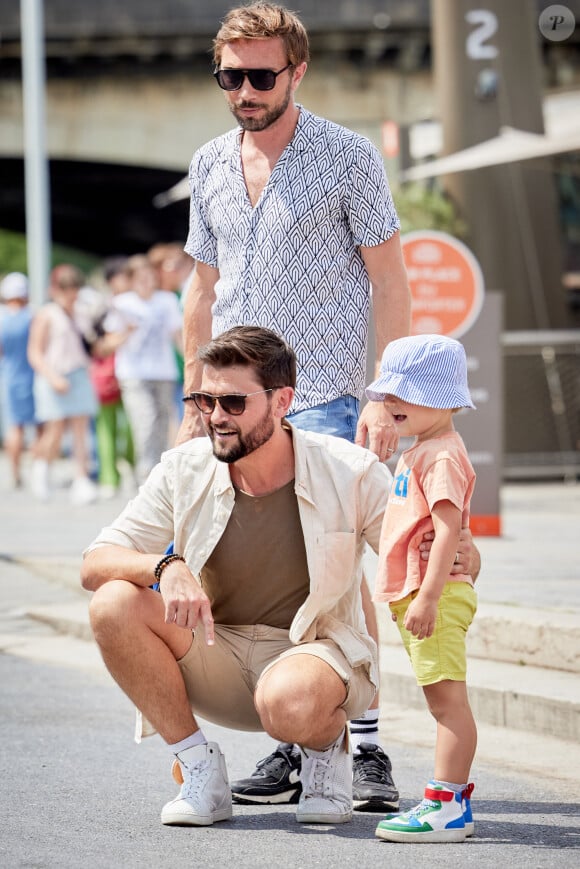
x: 283, y: 398
x: 298, y: 75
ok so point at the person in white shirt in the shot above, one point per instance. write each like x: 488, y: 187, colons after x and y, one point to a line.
x: 145, y: 363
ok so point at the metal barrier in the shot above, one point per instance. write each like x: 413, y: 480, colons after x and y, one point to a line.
x: 542, y: 404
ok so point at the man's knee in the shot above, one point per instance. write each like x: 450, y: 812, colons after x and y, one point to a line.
x: 112, y: 604
x: 298, y: 691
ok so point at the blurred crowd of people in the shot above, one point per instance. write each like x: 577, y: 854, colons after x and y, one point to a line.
x: 96, y: 372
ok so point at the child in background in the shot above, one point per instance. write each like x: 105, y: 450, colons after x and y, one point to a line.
x: 173, y: 270
x: 423, y: 382
x: 145, y: 363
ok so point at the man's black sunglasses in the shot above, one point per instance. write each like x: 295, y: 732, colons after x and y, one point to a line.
x: 233, y: 404
x: 260, y: 79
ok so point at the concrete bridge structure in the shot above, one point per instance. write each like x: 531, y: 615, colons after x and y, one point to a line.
x: 130, y: 96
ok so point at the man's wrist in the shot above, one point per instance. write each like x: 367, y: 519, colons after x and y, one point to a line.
x: 164, y: 562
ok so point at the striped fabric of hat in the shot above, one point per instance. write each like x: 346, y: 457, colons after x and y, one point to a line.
x: 428, y: 370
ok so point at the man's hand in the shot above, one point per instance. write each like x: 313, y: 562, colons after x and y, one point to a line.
x: 376, y: 423
x: 467, y: 559
x: 186, y: 603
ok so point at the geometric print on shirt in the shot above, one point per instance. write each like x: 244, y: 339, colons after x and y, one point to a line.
x: 291, y: 263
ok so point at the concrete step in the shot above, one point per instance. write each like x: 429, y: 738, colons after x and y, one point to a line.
x: 521, y: 673
x: 61, y: 570
x: 521, y: 697
x: 525, y: 636
x: 71, y: 619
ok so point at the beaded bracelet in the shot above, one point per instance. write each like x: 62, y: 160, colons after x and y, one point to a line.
x: 163, y: 562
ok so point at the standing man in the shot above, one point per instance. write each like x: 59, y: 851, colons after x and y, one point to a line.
x: 292, y: 225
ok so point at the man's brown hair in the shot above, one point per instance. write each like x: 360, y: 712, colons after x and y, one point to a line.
x: 264, y: 21
x: 267, y: 353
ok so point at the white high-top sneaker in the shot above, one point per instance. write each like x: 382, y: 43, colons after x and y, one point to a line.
x: 326, y: 778
x: 205, y: 795
x: 439, y: 817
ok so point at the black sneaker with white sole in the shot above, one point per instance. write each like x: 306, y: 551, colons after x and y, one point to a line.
x: 276, y: 778
x: 373, y: 788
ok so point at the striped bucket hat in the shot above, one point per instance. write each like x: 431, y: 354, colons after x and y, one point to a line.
x: 428, y: 370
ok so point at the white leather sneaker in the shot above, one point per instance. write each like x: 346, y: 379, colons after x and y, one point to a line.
x: 205, y: 796
x: 326, y: 778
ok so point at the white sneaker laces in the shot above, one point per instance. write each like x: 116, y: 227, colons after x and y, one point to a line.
x: 195, y: 780
x: 317, y: 783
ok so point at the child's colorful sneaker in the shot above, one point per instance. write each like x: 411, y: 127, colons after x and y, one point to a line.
x: 437, y: 818
x: 467, y: 816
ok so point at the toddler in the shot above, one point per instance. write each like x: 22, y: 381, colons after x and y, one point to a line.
x: 423, y: 382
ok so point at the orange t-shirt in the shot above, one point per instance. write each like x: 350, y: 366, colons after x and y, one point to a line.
x: 433, y: 470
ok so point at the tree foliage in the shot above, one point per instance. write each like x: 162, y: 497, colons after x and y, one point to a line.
x: 13, y: 254
x: 425, y: 207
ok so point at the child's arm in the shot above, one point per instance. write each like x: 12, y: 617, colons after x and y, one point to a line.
x: 422, y: 612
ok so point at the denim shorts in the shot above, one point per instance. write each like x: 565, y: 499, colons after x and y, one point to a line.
x: 338, y: 417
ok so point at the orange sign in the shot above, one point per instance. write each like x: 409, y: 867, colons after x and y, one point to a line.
x: 446, y: 283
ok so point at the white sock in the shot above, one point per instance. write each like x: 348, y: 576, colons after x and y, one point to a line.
x: 365, y: 729
x: 196, y: 738
x: 449, y: 786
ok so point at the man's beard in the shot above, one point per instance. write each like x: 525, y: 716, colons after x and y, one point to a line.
x: 255, y: 125
x: 243, y: 445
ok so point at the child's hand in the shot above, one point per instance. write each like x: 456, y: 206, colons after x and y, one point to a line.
x: 420, y: 617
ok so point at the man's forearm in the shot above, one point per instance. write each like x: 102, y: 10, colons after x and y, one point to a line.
x: 106, y: 563
x: 391, y: 295
x: 196, y: 332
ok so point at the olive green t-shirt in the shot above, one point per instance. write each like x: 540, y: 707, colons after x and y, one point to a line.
x: 257, y: 573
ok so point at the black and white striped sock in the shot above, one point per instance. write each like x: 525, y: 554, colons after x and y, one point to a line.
x: 365, y: 729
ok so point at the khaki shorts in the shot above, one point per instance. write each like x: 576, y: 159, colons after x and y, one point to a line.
x: 442, y: 655
x: 221, y: 679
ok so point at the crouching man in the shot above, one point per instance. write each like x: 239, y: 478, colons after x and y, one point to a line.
x: 259, y: 623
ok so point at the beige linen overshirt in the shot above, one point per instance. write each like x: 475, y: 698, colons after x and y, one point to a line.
x: 342, y: 493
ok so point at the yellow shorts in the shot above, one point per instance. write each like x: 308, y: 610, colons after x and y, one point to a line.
x: 442, y: 655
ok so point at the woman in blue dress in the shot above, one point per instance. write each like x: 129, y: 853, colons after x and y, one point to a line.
x: 16, y: 374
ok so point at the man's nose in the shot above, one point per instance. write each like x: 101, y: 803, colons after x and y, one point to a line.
x: 247, y: 90
x: 218, y: 414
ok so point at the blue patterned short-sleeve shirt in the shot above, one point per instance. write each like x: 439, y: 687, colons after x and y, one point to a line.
x: 291, y: 263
